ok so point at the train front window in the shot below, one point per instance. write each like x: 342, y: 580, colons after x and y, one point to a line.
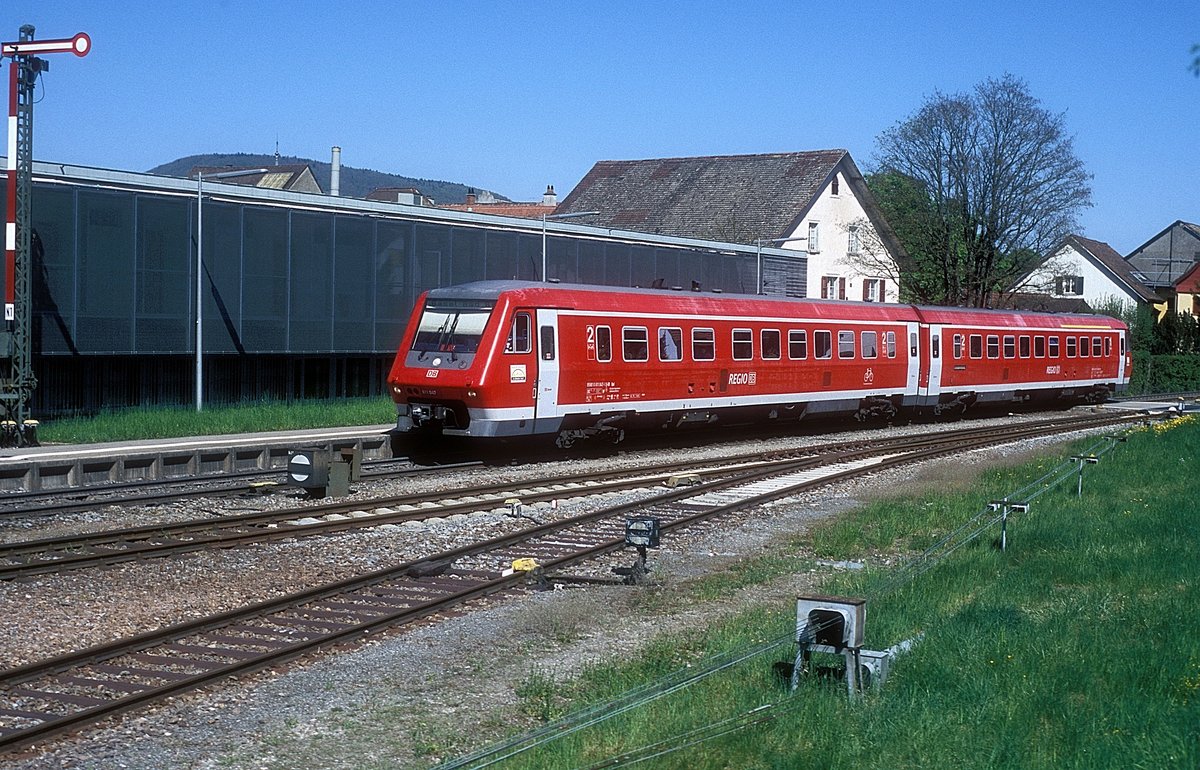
x: 451, y: 326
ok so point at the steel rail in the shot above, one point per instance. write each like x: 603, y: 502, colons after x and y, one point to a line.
x: 52, y: 555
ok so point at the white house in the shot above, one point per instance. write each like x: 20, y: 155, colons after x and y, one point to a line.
x: 1081, y: 268
x: 815, y: 203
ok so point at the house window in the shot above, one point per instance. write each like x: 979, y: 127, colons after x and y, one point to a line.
x: 833, y: 188
x: 814, y: 240
x: 1068, y: 285
x: 855, y: 245
x: 872, y: 290
x: 833, y: 287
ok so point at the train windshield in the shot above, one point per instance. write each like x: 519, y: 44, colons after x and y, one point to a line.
x: 451, y: 326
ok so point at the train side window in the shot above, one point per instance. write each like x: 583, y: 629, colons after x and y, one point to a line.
x: 1053, y: 346
x: 704, y: 347
x: 1083, y: 347
x: 822, y: 344
x: 1070, y: 347
x: 870, y: 344
x: 603, y: 343
x: 547, y: 339
x: 670, y: 344
x: 1097, y: 347
x: 845, y: 344
x: 769, y: 339
x: 519, y: 338
x: 1107, y: 347
x: 743, y: 344
x: 890, y: 342
x: 797, y: 344
x: 1039, y: 347
x: 635, y: 344
x: 1010, y: 346
x: 993, y: 346
x: 976, y: 346
x: 958, y: 345
x: 1024, y: 347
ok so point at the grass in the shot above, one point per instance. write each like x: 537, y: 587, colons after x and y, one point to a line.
x: 1075, y: 648
x: 163, y: 422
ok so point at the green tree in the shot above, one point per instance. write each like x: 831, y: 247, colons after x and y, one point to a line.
x: 1000, y: 184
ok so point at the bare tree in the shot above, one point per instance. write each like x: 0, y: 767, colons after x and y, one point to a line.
x: 1001, y: 182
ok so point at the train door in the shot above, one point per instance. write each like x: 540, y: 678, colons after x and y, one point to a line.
x: 912, y: 345
x: 935, y: 360
x: 546, y: 407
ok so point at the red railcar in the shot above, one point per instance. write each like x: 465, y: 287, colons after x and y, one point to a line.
x: 508, y: 359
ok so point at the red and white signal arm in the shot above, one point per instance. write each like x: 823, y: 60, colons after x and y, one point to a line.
x: 78, y: 45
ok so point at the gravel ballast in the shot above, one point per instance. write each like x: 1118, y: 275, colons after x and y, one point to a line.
x: 400, y: 698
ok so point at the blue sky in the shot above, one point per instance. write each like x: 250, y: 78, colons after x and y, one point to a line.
x: 514, y: 96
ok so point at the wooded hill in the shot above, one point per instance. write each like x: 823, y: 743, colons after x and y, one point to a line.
x: 354, y: 183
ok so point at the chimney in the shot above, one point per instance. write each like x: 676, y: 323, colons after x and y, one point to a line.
x: 471, y: 196
x: 549, y: 198
x: 335, y: 172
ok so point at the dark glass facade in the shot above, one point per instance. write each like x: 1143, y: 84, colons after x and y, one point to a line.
x: 298, y: 302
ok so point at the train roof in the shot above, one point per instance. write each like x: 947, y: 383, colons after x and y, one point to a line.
x: 591, y: 296
x: 669, y: 300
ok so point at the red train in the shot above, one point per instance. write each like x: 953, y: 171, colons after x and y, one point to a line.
x: 505, y: 359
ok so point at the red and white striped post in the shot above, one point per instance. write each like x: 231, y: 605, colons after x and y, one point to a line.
x: 79, y: 45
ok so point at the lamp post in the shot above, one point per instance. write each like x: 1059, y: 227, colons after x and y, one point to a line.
x: 200, y: 271
x: 759, y: 244
x: 557, y: 216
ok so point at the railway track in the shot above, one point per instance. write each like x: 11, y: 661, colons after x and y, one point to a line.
x: 111, y: 547
x: 67, y: 692
x: 158, y: 491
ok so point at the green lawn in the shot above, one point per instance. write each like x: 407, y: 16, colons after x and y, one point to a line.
x: 1077, y: 647
x: 159, y: 422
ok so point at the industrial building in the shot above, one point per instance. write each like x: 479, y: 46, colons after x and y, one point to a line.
x: 304, y: 295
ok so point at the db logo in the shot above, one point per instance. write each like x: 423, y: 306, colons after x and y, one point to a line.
x: 868, y: 376
x: 431, y: 374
